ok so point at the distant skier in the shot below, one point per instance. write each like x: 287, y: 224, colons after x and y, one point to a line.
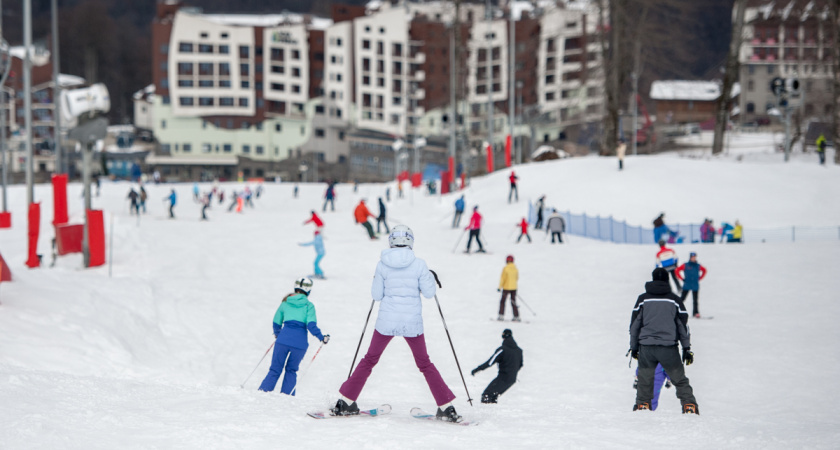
x: 659, y: 320
x: 361, y: 214
x: 315, y: 219
x: 295, y: 192
x: 399, y: 280
x: 691, y: 273
x: 293, y: 318
x: 381, y: 217
x: 556, y: 226
x: 205, y: 203
x: 134, y: 207
x: 475, y: 230
x: 318, y: 243
x: 619, y: 151
x: 233, y: 201
x: 523, y: 225
x: 459, y: 210
x: 507, y: 286
x: 143, y: 197
x: 249, y: 197
x: 513, y: 189
x: 329, y: 196
x: 221, y: 196
x: 737, y: 232
x: 707, y: 231
x: 258, y: 191
x: 509, y: 359
x: 195, y: 192
x: 660, y: 229
x: 388, y: 194
x: 540, y: 205
x: 399, y: 189
x: 667, y: 259
x: 821, y: 142
x: 173, y: 198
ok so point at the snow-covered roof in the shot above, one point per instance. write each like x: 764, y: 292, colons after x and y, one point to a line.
x: 684, y: 90
x: 67, y: 80
x: 267, y: 20
x: 192, y: 160
x: 40, y: 56
x: 145, y: 92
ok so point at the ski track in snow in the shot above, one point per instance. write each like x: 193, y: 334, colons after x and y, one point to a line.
x: 153, y: 357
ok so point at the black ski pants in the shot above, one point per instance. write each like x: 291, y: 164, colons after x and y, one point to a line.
x: 523, y: 234
x: 538, y: 225
x: 497, y: 387
x: 505, y: 294
x: 171, y: 211
x: 474, y: 234
x: 673, y: 273
x: 513, y: 191
x: 694, y: 295
x: 381, y: 219
x: 559, y: 237
x: 369, y: 229
x: 669, y: 357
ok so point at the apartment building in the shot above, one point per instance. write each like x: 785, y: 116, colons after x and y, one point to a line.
x: 786, y: 39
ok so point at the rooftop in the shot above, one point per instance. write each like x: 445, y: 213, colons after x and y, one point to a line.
x: 684, y: 90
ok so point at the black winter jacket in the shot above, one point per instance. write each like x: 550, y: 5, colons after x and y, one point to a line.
x: 508, y: 357
x: 659, y: 318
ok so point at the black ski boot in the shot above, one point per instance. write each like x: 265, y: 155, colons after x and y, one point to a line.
x: 343, y: 409
x: 448, y: 415
x: 690, y: 408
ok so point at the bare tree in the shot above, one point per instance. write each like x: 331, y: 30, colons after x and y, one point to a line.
x: 724, y: 103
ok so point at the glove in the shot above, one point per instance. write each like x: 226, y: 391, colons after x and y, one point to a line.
x: 667, y: 384
x: 688, y: 356
x: 499, y: 290
x: 634, y: 354
x: 473, y: 372
x: 326, y: 338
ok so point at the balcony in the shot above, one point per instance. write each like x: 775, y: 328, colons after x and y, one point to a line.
x: 418, y: 94
x: 418, y: 75
x: 418, y: 58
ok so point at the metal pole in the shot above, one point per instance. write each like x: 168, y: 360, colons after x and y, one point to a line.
x: 27, y: 97
x: 87, y: 149
x: 111, y: 245
x: 453, y: 119
x: 787, y: 133
x: 512, y: 77
x: 490, y: 112
x: 6, y: 68
x: 59, y: 161
x: 635, y: 112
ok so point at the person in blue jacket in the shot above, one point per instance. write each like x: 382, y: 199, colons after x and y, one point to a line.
x: 459, y: 210
x: 318, y: 243
x: 172, y: 200
x: 295, y: 315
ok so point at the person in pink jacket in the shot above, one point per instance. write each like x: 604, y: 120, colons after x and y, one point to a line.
x: 475, y: 230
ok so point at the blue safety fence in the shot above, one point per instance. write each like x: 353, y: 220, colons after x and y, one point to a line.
x: 611, y: 230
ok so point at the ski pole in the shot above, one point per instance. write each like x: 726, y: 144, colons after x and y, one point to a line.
x: 297, y: 381
x: 258, y: 364
x: 511, y: 233
x: 360, y: 339
x: 519, y: 296
x: 469, y: 398
x: 458, y: 241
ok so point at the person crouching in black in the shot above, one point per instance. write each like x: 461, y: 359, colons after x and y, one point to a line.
x: 509, y: 359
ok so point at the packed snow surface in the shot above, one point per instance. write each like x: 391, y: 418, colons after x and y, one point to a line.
x: 153, y: 356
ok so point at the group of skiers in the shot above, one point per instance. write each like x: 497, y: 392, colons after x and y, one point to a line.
x: 240, y: 199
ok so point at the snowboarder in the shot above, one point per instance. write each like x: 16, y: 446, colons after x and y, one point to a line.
x: 556, y: 226
x: 692, y: 273
x: 667, y: 259
x: 316, y: 220
x: 293, y: 318
x: 381, y: 217
x: 509, y: 359
x: 659, y: 320
x: 540, y: 205
x: 172, y: 200
x: 507, y: 286
x: 821, y: 148
x: 513, y: 189
x: 619, y: 151
x: 318, y: 243
x: 660, y: 378
x: 329, y: 196
x: 524, y: 230
x: 134, y: 208
x: 459, y: 210
x: 475, y: 230
x: 361, y: 213
x: 399, y: 280
x: 143, y: 197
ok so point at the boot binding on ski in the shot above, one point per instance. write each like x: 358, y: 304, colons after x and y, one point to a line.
x: 448, y: 415
x: 642, y: 407
x: 690, y: 408
x: 343, y: 409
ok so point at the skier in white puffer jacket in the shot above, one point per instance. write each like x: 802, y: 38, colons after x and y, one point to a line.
x: 399, y: 280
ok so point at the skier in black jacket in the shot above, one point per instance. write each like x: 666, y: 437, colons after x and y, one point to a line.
x: 509, y: 359
x: 658, y: 321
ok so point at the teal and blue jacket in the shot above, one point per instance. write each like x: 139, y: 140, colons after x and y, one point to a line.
x: 294, y: 316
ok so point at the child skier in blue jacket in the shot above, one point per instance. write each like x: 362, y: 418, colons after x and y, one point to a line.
x: 293, y: 318
x: 318, y: 243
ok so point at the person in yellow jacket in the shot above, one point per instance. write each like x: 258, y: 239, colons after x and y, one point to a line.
x: 737, y: 232
x: 507, y: 286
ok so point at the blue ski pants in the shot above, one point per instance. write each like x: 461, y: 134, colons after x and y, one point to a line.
x: 318, y: 270
x: 288, y: 356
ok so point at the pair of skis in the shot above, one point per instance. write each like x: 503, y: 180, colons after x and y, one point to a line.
x: 382, y: 410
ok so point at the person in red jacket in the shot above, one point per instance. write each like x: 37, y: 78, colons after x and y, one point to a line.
x: 475, y: 230
x: 362, y: 213
x: 513, y: 189
x: 524, y: 226
x: 316, y: 220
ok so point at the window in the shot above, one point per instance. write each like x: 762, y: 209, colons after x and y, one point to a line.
x: 243, y: 102
x: 224, y: 49
x: 770, y: 70
x: 224, y: 69
x: 243, y: 51
x: 366, y: 43
x: 396, y: 101
x: 366, y: 64
x: 185, y: 47
x: 278, y: 69
x: 225, y: 101
x: 380, y: 82
x: 206, y: 148
x: 205, y: 83
x: 227, y: 148
x: 259, y: 149
x: 245, y: 84
x: 319, y: 133
x: 319, y: 109
x: 185, y: 68
x: 751, y: 68
x: 750, y: 108
x: 380, y: 101
x: 482, y: 54
x: 296, y: 54
x: 396, y: 49
x: 549, y: 79
x: 380, y: 66
x: 750, y: 86
x: 278, y: 127
x: 296, y: 88
x: 366, y: 80
x: 205, y: 68
x: 243, y: 70
x: 187, y: 82
x: 258, y: 85
x: 277, y: 54
x: 205, y: 48
x: 549, y: 96
x: 497, y: 53
x: 366, y: 100
x: 165, y: 148
x: 185, y: 101
x: 397, y: 86
x: 224, y: 83
x: 380, y: 48
x: 205, y: 101
x: 163, y: 124
x: 166, y: 100
x: 397, y: 68
x: 395, y: 119
x: 296, y: 72
x: 481, y: 89
x: 246, y: 148
x: 278, y: 87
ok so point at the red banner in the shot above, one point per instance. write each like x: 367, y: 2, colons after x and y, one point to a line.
x: 451, y: 168
x: 96, y: 237
x: 34, y: 228
x: 463, y: 180
x: 5, y: 273
x: 445, y: 180
x: 59, y: 183
x: 402, y: 176
x: 5, y: 220
x: 507, y: 151
x: 416, y: 179
x: 68, y: 238
x: 489, y: 158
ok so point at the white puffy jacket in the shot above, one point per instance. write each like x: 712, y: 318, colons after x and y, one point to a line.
x: 399, y: 279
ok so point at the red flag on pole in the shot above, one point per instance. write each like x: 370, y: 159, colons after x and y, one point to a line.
x: 34, y: 228
x: 507, y: 151
x: 489, y: 158
x: 59, y: 183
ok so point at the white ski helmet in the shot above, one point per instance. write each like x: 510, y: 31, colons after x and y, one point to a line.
x: 401, y: 236
x: 303, y: 285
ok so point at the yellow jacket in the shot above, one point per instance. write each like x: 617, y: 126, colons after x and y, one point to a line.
x: 737, y: 232
x: 510, y: 275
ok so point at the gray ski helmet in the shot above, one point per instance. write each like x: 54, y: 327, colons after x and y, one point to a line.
x: 401, y: 236
x: 303, y: 285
